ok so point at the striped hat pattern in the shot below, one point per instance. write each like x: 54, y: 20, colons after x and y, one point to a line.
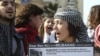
x: 69, y: 15
x: 74, y: 17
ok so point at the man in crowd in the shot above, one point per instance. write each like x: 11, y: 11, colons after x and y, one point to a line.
x: 10, y: 44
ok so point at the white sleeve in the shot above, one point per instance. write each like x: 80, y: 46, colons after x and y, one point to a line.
x: 90, y: 32
x: 46, y: 38
x: 52, y: 37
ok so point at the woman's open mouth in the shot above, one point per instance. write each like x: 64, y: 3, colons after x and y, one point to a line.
x: 49, y: 28
x: 57, y: 34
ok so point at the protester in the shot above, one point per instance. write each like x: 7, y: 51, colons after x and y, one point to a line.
x: 46, y: 30
x: 28, y: 20
x: 69, y: 27
x: 10, y: 43
x: 93, y: 20
x: 93, y: 28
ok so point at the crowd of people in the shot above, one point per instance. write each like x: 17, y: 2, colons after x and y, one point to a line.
x: 19, y: 28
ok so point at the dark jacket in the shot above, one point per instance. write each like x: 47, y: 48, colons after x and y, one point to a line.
x: 30, y: 36
x: 8, y: 38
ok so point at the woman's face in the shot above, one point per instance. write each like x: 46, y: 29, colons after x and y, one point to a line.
x: 61, y: 29
x: 48, y: 25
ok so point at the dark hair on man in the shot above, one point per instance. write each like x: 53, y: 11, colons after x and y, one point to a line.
x: 22, y: 15
x: 94, y: 16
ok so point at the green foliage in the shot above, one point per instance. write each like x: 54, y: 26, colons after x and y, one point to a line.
x: 50, y: 9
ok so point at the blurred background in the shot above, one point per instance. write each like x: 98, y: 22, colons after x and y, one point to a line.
x: 50, y: 6
x: 87, y: 4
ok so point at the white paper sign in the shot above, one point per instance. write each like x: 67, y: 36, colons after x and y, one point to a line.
x: 61, y: 49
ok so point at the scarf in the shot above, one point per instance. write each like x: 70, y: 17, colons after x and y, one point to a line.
x: 30, y: 35
x: 97, y: 36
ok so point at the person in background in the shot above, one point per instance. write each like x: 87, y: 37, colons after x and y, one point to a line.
x: 93, y: 28
x: 46, y: 30
x: 69, y: 26
x: 27, y: 22
x: 93, y: 21
x: 10, y: 43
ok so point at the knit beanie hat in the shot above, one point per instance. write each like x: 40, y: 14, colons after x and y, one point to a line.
x: 74, y: 17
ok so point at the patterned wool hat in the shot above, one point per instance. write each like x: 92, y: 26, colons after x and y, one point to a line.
x: 74, y: 17
x: 69, y: 15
